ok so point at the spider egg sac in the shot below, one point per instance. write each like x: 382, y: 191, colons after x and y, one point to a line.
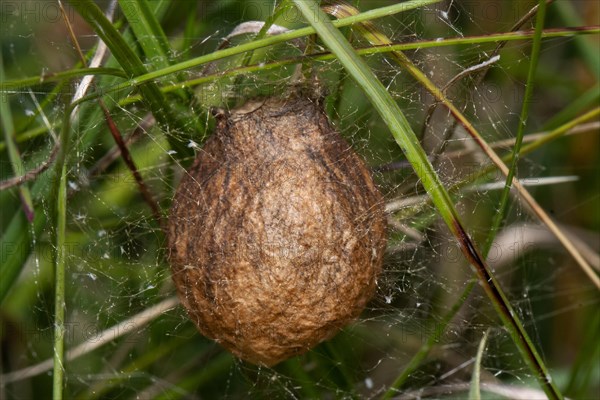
x: 277, y: 232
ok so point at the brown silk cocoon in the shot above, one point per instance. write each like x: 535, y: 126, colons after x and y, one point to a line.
x: 277, y: 231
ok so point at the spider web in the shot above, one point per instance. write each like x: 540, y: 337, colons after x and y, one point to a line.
x: 128, y: 338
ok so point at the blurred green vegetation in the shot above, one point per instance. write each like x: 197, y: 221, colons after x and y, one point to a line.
x: 116, y: 265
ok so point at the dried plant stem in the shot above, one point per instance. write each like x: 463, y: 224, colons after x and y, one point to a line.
x: 118, y: 138
x: 532, y: 138
x: 145, y: 192
x: 31, y: 174
x: 487, y: 149
x: 481, y: 70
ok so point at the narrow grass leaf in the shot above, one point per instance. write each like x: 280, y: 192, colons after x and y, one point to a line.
x: 407, y: 140
x: 475, y: 390
x: 420, y: 44
x: 59, y: 288
x: 271, y: 40
x: 148, y: 31
x: 512, y: 171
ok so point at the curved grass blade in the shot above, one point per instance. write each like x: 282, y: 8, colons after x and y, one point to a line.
x: 407, y: 140
x: 475, y: 390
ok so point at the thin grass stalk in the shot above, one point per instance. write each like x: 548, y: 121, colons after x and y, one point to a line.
x: 475, y: 390
x: 512, y: 171
x: 405, y: 137
x: 328, y: 56
x: 370, y: 50
x: 59, y: 287
x: 559, y: 131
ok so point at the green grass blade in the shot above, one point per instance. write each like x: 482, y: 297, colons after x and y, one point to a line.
x: 475, y: 390
x: 59, y: 279
x: 59, y: 76
x: 365, y: 16
x: 147, y: 30
x: 248, y: 47
x: 133, y: 67
x: 535, y: 54
x: 369, y: 51
x: 407, y: 140
x: 420, y: 356
x: 271, y: 40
